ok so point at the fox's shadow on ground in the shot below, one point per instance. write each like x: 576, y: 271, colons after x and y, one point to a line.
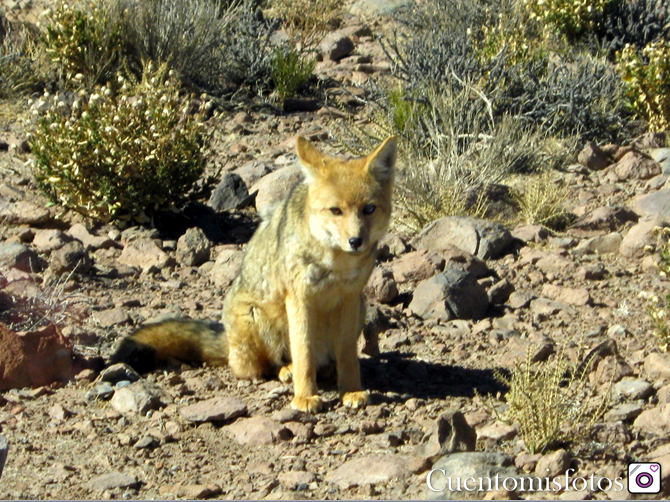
x: 409, y: 377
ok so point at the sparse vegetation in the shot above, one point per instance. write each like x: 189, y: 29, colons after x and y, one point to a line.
x: 121, y: 151
x: 572, y: 18
x: 306, y: 21
x: 552, y: 402
x: 647, y: 77
x: 290, y: 71
x: 23, y: 60
x: 541, y: 199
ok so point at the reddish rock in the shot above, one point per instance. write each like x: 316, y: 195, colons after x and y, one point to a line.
x: 144, y: 254
x: 375, y: 469
x: 382, y: 286
x: 635, y: 166
x: 572, y: 296
x: 640, y: 236
x: 258, y: 431
x: 216, y: 409
x: 593, y: 157
x: 416, y: 266
x: 34, y: 359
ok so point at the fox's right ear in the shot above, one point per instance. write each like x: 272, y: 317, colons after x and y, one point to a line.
x: 310, y: 157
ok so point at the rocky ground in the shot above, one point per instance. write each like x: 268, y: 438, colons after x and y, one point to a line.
x: 199, y: 433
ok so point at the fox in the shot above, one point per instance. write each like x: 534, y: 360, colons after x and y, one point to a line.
x: 297, y: 303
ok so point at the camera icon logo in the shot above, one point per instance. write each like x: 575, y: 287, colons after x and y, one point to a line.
x: 644, y: 477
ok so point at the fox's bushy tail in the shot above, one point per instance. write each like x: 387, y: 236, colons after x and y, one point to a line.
x: 183, y: 339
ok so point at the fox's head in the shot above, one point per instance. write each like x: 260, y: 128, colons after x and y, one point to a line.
x: 348, y: 201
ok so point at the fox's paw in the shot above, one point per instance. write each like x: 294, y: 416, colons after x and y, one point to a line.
x: 310, y: 404
x: 355, y: 399
x: 286, y: 374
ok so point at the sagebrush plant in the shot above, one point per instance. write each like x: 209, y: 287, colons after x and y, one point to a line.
x: 541, y: 200
x: 551, y: 401
x: 633, y: 22
x: 306, y: 21
x: 85, y: 38
x: 447, y: 43
x: 290, y: 71
x: 123, y: 151
x: 571, y: 17
x: 451, y: 151
x: 647, y: 77
x: 24, y: 66
x: 213, y: 45
x: 52, y: 304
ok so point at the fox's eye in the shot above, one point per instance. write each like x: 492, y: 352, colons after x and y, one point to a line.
x: 336, y: 211
x: 369, y: 209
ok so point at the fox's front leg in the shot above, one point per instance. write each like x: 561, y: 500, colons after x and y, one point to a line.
x: 301, y: 326
x: 350, y: 324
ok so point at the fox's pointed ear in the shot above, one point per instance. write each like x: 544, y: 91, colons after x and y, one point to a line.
x: 381, y: 162
x: 310, y: 157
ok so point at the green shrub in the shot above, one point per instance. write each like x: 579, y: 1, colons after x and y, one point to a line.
x: 647, y: 78
x: 85, y: 38
x: 571, y: 17
x: 290, y: 71
x: 116, y: 154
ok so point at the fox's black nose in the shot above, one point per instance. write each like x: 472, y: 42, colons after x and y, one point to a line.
x: 355, y: 242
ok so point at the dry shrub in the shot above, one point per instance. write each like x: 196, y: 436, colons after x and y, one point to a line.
x: 541, y: 200
x: 552, y: 402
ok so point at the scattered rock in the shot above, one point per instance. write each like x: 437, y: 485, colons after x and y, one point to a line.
x: 448, y: 434
x: 461, y: 466
x: 450, y: 295
x: 593, y: 157
x: 144, y: 254
x: 34, y: 359
x: 390, y: 246
x: 662, y: 156
x: 640, y: 236
x: 258, y: 431
x: 553, y: 464
x: 571, y: 296
x: 521, y: 299
x: 655, y: 420
x: 336, y: 45
x: 376, y: 7
x: 457, y: 259
x: 550, y: 307
x: 23, y: 213
x: 623, y: 412
x: 4, y: 450
x: 112, y: 317
x: 482, y: 238
x: 193, y: 248
x: 274, y: 187
x: 497, y: 431
x: 230, y: 194
x: 635, y: 166
x: 90, y: 241
x: 375, y: 469
x: 294, y: 479
x: 606, y: 218
x: 416, y: 266
x: 214, y: 410
x: 500, y: 292
x: 657, y: 366
x: 382, y: 286
x: 138, y: 397
x: 530, y: 233
x: 226, y: 267
x: 633, y: 389
x: 49, y: 239
x: 654, y: 204
x: 15, y: 255
x: 71, y: 257
x: 119, y: 372
x: 111, y: 480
